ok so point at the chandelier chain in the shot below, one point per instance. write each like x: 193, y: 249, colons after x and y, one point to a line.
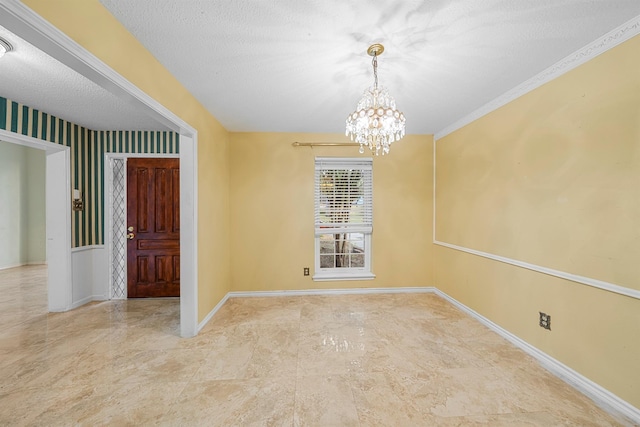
x: 374, y: 62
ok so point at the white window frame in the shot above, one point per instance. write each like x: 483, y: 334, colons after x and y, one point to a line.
x: 345, y: 273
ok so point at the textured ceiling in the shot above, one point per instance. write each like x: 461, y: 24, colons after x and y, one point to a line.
x: 33, y: 78
x: 301, y: 66
x: 290, y: 65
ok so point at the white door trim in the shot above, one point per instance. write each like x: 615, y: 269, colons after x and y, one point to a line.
x: 58, y: 217
x: 108, y: 201
x: 25, y: 23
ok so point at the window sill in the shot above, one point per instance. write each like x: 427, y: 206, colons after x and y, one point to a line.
x: 327, y: 277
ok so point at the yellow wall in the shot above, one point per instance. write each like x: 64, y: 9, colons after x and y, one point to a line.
x: 92, y: 26
x: 553, y: 179
x: 272, y: 233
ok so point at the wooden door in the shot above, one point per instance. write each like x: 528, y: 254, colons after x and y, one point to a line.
x: 153, y: 215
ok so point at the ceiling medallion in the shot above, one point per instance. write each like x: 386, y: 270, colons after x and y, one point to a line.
x: 376, y: 123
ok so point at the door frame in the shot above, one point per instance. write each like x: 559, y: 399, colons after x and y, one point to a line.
x: 58, y: 217
x: 108, y: 191
x: 25, y: 23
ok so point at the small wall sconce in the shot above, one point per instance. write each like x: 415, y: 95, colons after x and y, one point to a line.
x: 77, y: 204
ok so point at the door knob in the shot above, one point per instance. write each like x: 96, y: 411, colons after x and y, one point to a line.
x: 130, y: 236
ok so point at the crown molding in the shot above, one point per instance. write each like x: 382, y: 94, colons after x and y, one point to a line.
x: 610, y: 40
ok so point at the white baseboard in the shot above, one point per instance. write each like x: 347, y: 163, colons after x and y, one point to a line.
x: 87, y: 300
x: 211, y: 313
x: 23, y: 264
x: 81, y: 302
x: 250, y: 294
x: 7, y: 267
x: 602, y: 397
x: 350, y: 291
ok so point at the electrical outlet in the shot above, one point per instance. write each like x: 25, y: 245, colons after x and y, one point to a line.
x: 306, y: 271
x: 545, y: 321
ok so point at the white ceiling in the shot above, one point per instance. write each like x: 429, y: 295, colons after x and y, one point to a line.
x: 33, y: 78
x: 301, y: 66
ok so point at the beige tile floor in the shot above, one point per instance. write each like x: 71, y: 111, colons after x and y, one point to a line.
x: 390, y: 360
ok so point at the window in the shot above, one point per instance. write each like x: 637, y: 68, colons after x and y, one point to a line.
x: 343, y: 218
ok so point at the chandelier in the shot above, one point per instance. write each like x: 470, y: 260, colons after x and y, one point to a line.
x: 376, y: 123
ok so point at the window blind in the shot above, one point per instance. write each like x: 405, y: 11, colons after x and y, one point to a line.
x: 343, y: 195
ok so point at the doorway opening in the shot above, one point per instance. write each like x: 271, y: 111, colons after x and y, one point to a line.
x: 58, y: 218
x: 28, y: 25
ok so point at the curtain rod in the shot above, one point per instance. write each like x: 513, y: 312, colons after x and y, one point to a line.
x: 325, y: 144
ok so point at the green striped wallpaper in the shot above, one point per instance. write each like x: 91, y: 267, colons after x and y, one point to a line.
x: 87, y: 158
